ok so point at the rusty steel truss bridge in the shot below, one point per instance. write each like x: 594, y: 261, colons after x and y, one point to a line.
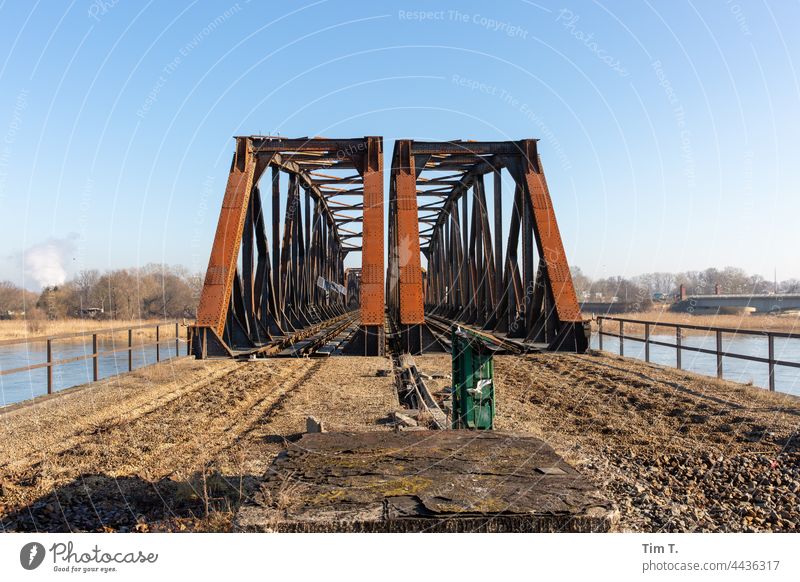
x: 277, y: 285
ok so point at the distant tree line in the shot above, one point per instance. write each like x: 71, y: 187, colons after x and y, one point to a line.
x: 160, y: 291
x: 14, y: 299
x: 151, y: 292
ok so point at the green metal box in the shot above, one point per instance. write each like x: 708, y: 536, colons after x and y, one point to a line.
x: 473, y: 381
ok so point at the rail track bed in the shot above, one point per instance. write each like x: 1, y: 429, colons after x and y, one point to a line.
x: 183, y: 444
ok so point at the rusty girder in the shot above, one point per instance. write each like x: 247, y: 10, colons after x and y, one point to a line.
x: 253, y: 298
x: 404, y: 293
x: 469, y: 277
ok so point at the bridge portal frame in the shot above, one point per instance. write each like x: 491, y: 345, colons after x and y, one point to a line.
x: 251, y: 298
x: 469, y: 280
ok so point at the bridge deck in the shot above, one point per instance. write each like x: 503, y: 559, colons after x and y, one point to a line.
x: 180, y: 445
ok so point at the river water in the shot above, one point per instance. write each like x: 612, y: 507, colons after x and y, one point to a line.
x: 787, y: 379
x: 25, y: 385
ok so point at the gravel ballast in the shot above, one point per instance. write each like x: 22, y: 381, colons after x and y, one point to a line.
x: 676, y: 451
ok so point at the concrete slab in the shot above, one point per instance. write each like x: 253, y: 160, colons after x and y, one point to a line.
x: 431, y: 481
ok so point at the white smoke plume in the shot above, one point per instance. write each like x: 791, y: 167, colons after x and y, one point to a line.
x: 46, y: 263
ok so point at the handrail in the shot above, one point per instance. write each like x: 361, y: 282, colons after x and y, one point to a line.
x: 785, y: 334
x: 679, y: 346
x: 95, y: 354
x: 42, y: 338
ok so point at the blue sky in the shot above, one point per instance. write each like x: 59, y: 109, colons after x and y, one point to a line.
x: 668, y: 129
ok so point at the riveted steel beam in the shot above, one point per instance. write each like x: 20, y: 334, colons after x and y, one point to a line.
x: 470, y: 279
x: 255, y: 297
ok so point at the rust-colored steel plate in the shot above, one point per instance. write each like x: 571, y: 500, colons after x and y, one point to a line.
x: 408, y: 254
x: 216, y: 293
x: 372, y: 276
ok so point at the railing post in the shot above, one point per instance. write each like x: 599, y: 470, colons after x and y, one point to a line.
x: 771, y: 342
x: 719, y: 354
x: 49, y: 366
x: 158, y: 345
x: 678, y: 347
x: 177, y: 331
x: 621, y: 338
x: 600, y: 332
x: 94, y: 357
x: 130, y: 349
x: 646, y: 342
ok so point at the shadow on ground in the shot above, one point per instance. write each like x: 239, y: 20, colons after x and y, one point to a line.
x: 100, y: 503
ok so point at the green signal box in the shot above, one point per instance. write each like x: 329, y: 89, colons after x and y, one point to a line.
x: 473, y: 381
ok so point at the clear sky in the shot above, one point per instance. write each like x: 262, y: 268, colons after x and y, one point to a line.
x: 669, y: 130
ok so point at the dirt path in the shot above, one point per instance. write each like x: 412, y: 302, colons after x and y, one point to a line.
x: 172, y: 446
x: 676, y: 451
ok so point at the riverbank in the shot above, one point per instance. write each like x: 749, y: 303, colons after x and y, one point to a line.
x: 11, y: 329
x: 758, y: 322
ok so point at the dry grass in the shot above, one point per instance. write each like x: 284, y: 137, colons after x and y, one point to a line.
x: 174, y: 446
x: 24, y: 329
x: 759, y: 322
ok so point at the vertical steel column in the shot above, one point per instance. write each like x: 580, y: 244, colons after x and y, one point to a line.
x: 406, y: 237
x: 466, y: 294
x: 372, y: 276
x: 498, y: 232
x: 276, y: 235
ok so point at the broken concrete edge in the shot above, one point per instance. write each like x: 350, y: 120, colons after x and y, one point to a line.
x: 253, y: 519
x: 343, y: 493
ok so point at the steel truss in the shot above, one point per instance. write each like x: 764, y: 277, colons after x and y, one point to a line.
x: 438, y: 207
x: 254, y: 299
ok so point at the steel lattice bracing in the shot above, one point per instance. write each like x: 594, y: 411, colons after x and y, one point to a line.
x: 257, y: 294
x: 482, y: 270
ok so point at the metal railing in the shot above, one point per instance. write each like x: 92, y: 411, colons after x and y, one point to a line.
x: 95, y: 354
x: 680, y: 346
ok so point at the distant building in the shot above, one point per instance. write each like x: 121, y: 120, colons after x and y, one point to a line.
x: 9, y: 314
x: 91, y: 312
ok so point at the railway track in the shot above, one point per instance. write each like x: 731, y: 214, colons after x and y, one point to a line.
x: 327, y: 339
x: 412, y: 391
x: 440, y: 328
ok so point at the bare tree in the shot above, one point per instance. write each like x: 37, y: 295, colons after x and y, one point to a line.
x: 15, y: 299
